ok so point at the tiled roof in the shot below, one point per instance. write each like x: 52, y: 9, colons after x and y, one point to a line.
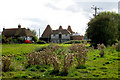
x: 63, y: 31
x: 48, y: 31
x: 69, y: 29
x: 60, y: 28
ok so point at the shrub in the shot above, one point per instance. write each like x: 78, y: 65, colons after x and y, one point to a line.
x: 75, y: 41
x: 112, y: 48
x: 6, y: 62
x: 15, y: 40
x: 20, y: 40
x: 53, y: 55
x: 35, y: 39
x: 54, y: 47
x: 117, y: 46
x: 101, y: 47
x: 54, y: 61
x: 67, y: 62
x: 33, y: 58
x: 10, y: 40
x: 41, y: 42
x: 80, y: 53
x: 45, y: 57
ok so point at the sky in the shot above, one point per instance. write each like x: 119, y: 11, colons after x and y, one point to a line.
x: 37, y: 14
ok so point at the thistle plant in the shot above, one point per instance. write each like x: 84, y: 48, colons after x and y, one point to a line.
x: 53, y: 47
x: 112, y: 48
x: 101, y: 48
x: 80, y: 53
x: 33, y: 58
x: 6, y: 62
x: 50, y: 57
x: 117, y: 46
x: 73, y: 48
x: 67, y: 62
x: 55, y: 62
x: 91, y: 48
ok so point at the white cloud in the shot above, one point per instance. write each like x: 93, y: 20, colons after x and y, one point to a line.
x: 37, y: 14
x: 97, y: 0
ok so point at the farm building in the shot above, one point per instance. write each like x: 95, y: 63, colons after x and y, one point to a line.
x: 18, y: 32
x: 60, y: 35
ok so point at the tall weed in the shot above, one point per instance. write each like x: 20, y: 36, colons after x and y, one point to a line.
x: 101, y: 48
x: 6, y: 62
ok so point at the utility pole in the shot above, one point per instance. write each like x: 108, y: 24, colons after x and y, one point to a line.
x: 39, y: 33
x: 95, y: 8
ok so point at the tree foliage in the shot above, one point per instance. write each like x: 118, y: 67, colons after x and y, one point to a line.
x: 103, y: 28
x: 35, y: 39
x: 119, y: 28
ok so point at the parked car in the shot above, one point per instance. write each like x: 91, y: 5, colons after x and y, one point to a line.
x: 27, y: 41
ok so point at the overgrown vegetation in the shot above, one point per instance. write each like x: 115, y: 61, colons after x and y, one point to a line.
x: 12, y: 40
x: 59, y: 61
x: 101, y: 47
x: 75, y: 41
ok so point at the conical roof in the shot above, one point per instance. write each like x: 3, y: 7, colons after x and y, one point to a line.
x: 69, y: 29
x: 47, y: 32
x: 60, y: 28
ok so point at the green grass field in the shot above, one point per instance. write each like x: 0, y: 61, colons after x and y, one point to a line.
x: 96, y: 66
x: 20, y: 49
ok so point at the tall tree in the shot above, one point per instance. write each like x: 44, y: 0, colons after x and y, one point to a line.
x: 119, y: 27
x: 103, y: 28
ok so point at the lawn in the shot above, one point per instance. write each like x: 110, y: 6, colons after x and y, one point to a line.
x: 20, y: 49
x: 95, y: 66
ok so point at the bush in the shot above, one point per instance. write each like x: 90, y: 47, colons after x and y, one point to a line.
x: 58, y: 58
x: 15, y: 40
x: 75, y: 41
x: 67, y: 62
x: 41, y: 42
x: 35, y: 39
x: 33, y: 58
x: 20, y: 40
x: 80, y: 53
x: 10, y: 40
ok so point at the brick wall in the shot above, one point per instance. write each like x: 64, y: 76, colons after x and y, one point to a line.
x: 78, y: 37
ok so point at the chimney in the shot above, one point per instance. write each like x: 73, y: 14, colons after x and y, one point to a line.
x: 19, y: 26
